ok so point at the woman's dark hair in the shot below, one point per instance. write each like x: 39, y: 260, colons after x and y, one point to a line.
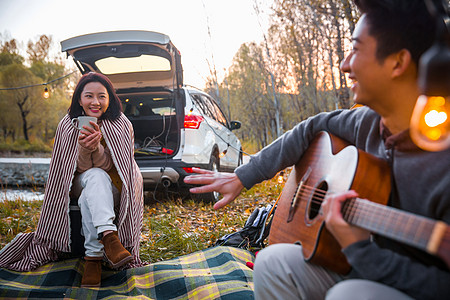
x: 115, y: 106
x: 399, y: 24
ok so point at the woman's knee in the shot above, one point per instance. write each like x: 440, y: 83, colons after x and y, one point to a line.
x: 96, y: 176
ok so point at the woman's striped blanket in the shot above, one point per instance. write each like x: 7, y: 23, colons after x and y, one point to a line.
x: 214, y: 273
x: 30, y: 250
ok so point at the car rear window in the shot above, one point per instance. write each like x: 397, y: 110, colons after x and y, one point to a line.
x: 148, y: 105
x: 143, y: 63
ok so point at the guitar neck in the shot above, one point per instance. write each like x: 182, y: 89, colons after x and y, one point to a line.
x: 411, y: 229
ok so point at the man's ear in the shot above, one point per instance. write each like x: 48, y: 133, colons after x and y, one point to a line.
x: 401, y: 62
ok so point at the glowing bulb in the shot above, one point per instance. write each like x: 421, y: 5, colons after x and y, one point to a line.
x: 223, y: 153
x: 430, y: 125
x: 46, y: 93
x: 280, y: 178
x: 435, y: 118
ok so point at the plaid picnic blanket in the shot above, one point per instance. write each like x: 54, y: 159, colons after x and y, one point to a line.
x: 214, y: 273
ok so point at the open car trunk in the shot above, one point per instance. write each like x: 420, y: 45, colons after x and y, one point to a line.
x: 157, y: 121
x: 130, y: 58
x: 145, y: 68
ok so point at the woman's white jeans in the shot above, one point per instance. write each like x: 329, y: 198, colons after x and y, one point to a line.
x: 97, y: 196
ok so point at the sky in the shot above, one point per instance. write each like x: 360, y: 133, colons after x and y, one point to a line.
x: 231, y: 23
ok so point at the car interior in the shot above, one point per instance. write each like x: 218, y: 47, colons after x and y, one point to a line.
x: 154, y: 118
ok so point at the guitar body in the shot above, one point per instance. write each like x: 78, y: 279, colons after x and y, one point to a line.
x: 331, y: 165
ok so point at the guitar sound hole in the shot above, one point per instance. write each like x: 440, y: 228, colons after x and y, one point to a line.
x: 317, y: 198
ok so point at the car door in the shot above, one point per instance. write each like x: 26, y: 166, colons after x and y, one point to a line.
x: 227, y: 140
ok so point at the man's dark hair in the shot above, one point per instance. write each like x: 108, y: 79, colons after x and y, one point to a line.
x: 115, y: 106
x: 399, y: 24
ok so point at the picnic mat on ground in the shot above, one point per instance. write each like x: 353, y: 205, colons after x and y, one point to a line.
x: 214, y: 273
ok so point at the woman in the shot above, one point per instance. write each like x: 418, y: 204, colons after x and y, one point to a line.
x: 97, y: 166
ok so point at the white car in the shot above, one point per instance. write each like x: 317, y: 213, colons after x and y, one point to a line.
x: 176, y: 127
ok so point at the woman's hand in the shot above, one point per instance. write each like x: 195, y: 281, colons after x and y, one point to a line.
x: 228, y: 184
x: 90, y: 138
x: 343, y: 232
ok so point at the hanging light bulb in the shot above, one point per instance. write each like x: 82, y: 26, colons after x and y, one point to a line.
x: 430, y: 121
x: 280, y: 178
x: 46, y: 93
x: 222, y: 154
x: 430, y: 124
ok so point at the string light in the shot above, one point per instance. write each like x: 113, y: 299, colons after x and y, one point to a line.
x: 430, y: 122
x: 38, y: 84
x: 280, y: 178
x: 223, y: 153
x: 46, y: 93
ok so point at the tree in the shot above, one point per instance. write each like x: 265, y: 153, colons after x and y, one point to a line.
x: 276, y: 104
x: 22, y: 108
x: 299, y: 60
x: 311, y: 35
x: 251, y: 95
x: 9, y: 53
x: 15, y: 75
x: 39, y: 51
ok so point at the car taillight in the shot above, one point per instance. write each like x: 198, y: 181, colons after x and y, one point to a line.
x: 188, y: 169
x: 192, y: 121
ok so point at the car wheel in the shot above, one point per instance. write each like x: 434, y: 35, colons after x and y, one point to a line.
x: 212, y: 197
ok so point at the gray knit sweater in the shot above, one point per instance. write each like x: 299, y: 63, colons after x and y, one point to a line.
x: 421, y: 186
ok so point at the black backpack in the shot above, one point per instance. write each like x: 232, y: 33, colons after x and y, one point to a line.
x: 255, y: 231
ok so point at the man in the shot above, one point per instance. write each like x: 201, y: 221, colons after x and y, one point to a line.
x: 388, y: 41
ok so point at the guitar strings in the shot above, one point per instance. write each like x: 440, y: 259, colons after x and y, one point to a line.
x: 318, y: 196
x: 351, y: 207
x: 368, y: 215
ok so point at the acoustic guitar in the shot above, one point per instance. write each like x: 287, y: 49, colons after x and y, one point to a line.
x: 331, y: 165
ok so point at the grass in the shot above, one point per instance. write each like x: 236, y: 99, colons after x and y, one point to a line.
x: 23, y: 147
x: 170, y: 229
x: 17, y: 216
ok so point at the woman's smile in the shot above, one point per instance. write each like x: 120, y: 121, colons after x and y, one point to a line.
x: 94, y: 99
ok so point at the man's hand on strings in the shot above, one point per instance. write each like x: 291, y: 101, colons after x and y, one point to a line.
x: 344, y: 233
x: 228, y: 184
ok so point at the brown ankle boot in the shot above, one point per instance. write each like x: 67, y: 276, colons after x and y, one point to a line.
x: 92, y: 275
x: 117, y: 255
